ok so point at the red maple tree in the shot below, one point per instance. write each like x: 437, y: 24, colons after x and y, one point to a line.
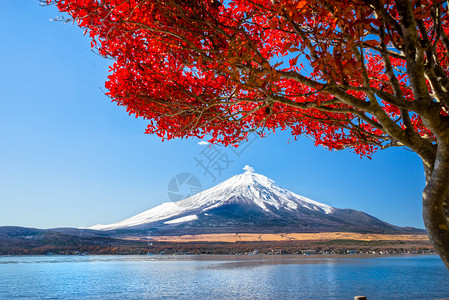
x: 360, y: 74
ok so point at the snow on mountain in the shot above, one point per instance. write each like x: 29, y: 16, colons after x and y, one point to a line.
x: 182, y: 219
x: 248, y: 186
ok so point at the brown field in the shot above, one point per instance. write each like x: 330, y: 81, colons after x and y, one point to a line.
x: 254, y: 237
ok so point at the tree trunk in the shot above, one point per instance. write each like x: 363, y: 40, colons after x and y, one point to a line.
x: 436, y: 200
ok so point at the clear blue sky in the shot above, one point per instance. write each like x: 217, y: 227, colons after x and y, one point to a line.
x: 70, y: 157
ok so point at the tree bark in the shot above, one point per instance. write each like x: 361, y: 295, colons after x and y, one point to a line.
x: 436, y: 200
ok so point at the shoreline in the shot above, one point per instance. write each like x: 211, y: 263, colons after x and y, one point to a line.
x: 240, y: 256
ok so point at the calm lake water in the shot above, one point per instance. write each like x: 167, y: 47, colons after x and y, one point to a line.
x: 221, y: 277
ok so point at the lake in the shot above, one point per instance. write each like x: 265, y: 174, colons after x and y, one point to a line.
x: 222, y: 277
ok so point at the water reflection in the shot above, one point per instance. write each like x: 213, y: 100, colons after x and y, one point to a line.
x: 278, y: 260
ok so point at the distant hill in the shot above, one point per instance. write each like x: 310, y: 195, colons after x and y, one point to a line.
x: 70, y: 241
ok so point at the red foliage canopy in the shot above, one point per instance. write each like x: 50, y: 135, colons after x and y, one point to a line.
x: 222, y: 70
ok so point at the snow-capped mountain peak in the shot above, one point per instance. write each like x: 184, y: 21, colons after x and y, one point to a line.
x: 247, y: 189
x: 264, y: 191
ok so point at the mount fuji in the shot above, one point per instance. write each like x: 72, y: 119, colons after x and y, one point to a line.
x: 249, y: 203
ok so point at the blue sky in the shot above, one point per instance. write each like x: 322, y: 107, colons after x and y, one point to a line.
x: 70, y: 157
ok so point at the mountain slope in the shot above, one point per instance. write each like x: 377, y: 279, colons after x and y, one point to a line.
x: 249, y: 202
